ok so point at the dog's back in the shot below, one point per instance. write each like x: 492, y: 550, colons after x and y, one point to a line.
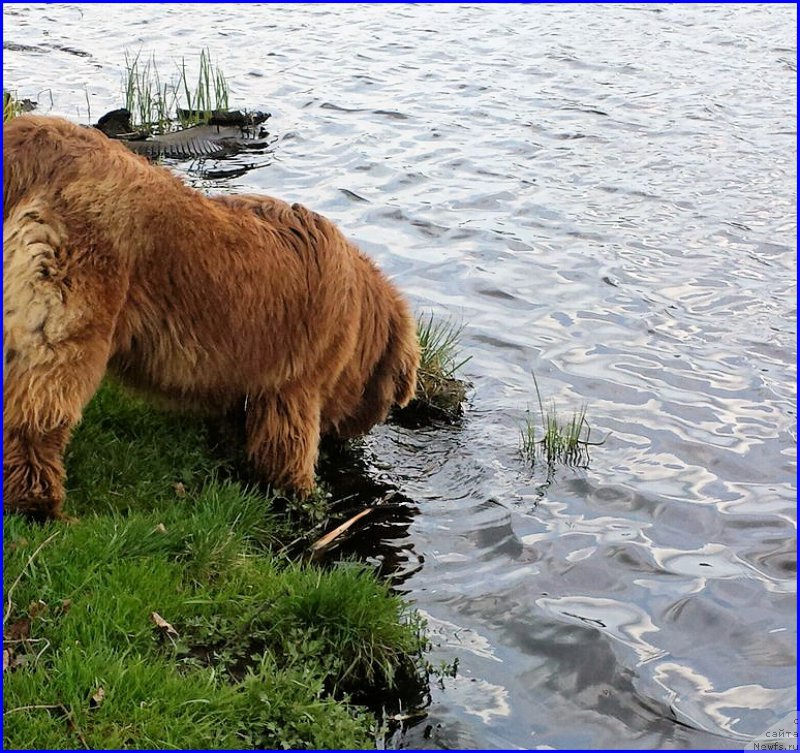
x: 383, y: 351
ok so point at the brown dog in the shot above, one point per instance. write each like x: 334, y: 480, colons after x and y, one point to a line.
x: 212, y: 303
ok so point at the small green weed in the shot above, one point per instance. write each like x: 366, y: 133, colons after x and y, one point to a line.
x: 556, y: 441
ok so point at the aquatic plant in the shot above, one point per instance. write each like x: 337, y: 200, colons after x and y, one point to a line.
x: 440, y: 393
x: 210, y: 94
x: 149, y: 103
x: 156, y: 106
x: 11, y: 106
x: 555, y: 440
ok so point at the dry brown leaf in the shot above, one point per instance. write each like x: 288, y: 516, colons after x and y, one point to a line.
x: 19, y: 630
x: 97, y: 697
x: 162, y: 624
x: 6, y: 659
x: 66, y: 605
x: 160, y: 528
x: 180, y: 489
x: 35, y: 608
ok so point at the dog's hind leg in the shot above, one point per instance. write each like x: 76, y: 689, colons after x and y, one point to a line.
x: 59, y: 311
x: 283, y: 430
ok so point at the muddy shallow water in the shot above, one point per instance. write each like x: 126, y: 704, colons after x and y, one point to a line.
x: 605, y: 197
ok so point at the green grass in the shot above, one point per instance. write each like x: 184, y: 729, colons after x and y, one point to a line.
x: 265, y: 652
x: 440, y: 393
x: 156, y: 106
x: 11, y: 107
x: 211, y: 92
x: 151, y: 104
x: 554, y: 440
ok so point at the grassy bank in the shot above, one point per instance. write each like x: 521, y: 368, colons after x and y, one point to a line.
x: 167, y: 617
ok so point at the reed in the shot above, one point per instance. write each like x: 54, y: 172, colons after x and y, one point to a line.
x: 11, y: 106
x: 156, y: 106
x: 555, y: 440
x: 210, y: 94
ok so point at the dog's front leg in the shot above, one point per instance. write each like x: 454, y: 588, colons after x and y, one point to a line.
x: 59, y: 309
x: 33, y: 472
x: 283, y: 428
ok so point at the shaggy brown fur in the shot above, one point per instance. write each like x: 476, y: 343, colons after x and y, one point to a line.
x: 213, y: 303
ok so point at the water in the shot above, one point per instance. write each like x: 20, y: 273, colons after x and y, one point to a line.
x: 605, y: 196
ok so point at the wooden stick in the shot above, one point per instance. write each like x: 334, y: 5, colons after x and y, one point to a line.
x: 328, y: 538
x: 22, y: 572
x: 39, y: 706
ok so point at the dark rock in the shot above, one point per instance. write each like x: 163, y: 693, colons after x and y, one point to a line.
x: 225, y: 117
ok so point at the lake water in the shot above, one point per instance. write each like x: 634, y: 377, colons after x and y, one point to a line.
x: 604, y: 196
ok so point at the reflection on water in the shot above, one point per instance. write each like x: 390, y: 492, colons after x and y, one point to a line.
x: 607, y: 199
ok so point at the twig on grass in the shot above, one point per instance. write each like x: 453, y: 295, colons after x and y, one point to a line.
x: 22, y: 572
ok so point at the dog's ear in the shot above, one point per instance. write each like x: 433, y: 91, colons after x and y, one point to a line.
x: 407, y: 360
x: 395, y: 376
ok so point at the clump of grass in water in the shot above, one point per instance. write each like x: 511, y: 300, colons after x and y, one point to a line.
x: 11, y: 107
x: 557, y: 441
x: 210, y: 94
x: 149, y: 103
x: 439, y: 393
x: 156, y: 107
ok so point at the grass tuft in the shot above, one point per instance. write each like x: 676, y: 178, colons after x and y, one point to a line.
x: 210, y: 94
x: 556, y: 441
x: 150, y: 103
x: 440, y: 394
x: 157, y: 106
x: 11, y: 106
